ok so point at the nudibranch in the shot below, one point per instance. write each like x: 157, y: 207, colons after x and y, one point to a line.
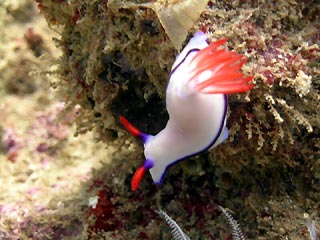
x: 196, y: 99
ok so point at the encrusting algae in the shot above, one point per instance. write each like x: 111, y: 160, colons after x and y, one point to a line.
x: 116, y: 59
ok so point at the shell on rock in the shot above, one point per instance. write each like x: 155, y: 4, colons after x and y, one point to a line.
x: 175, y: 16
x: 178, y: 16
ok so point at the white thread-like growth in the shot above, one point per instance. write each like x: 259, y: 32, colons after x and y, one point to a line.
x: 236, y: 231
x: 176, y: 231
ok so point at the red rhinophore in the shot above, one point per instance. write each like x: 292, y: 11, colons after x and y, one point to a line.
x: 137, y: 177
x: 131, y: 129
x: 217, y: 71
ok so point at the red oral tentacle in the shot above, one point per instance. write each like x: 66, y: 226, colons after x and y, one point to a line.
x: 131, y: 129
x: 137, y: 177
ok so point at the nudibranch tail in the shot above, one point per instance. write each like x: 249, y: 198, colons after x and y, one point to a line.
x: 133, y: 130
x: 215, y: 70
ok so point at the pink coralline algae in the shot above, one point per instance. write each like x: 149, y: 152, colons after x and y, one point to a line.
x: 10, y: 144
x: 46, y: 125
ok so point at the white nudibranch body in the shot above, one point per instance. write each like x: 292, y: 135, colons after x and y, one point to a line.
x: 196, y: 101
